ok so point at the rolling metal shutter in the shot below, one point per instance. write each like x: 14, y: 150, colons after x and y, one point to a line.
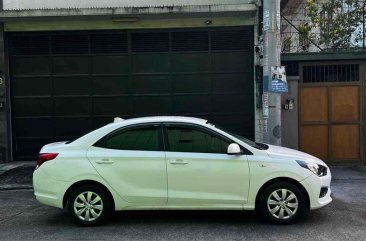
x: 64, y: 84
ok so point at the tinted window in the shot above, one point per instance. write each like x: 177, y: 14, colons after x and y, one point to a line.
x: 184, y: 139
x: 139, y: 139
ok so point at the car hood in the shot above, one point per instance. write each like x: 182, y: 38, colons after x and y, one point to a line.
x: 279, y: 151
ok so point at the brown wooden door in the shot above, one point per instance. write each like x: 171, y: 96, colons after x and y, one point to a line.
x: 330, y: 122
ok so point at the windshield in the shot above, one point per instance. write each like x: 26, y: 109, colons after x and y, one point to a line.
x: 256, y: 145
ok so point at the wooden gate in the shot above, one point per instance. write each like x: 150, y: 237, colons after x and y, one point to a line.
x: 330, y: 112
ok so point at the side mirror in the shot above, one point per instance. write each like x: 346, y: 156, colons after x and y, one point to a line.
x: 233, y: 149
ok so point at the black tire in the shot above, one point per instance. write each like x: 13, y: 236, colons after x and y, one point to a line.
x: 105, y: 202
x: 264, y: 206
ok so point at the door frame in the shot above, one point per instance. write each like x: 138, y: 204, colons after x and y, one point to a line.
x: 362, y: 104
x: 245, y: 151
x: 206, y: 130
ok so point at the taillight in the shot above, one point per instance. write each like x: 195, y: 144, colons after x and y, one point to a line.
x: 43, y: 157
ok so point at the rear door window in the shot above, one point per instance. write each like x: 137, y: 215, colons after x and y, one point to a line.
x: 134, y: 139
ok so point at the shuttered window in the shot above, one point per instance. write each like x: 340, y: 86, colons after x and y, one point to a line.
x: 81, y: 80
x: 70, y: 44
x: 109, y: 43
x: 331, y: 73
x: 190, y: 41
x: 150, y: 42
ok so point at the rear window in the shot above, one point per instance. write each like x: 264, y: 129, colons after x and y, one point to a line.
x: 136, y: 139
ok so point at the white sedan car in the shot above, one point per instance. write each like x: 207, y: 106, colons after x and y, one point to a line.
x: 177, y: 163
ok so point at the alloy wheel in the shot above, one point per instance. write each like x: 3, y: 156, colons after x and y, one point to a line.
x: 282, y: 204
x: 88, y: 206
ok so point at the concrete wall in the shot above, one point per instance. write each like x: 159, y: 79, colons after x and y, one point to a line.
x: 3, y: 103
x: 26, y: 25
x: 290, y: 135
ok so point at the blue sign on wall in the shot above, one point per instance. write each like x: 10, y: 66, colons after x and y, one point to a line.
x: 279, y: 86
x: 277, y: 81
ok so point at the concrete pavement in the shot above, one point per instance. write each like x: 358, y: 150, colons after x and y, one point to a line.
x: 23, y: 218
x: 16, y: 175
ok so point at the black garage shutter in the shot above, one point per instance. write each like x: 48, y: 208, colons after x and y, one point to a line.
x: 65, y: 84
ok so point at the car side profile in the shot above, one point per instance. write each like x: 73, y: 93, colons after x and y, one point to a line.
x: 180, y: 163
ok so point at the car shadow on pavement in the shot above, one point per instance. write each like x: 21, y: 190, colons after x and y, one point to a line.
x: 167, y: 217
x: 202, y: 217
x: 184, y: 216
x: 187, y: 217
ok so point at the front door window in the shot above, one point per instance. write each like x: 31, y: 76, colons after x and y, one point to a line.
x: 185, y: 139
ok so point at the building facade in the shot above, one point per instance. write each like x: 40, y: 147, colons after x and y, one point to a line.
x: 68, y: 67
x: 327, y: 87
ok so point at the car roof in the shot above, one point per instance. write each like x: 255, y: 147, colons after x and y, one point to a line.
x: 162, y: 119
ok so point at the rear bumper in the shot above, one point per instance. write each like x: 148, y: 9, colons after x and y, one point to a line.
x: 313, y: 185
x: 47, y: 190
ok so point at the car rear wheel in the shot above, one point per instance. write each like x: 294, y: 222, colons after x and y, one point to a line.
x: 282, y: 203
x: 89, y: 205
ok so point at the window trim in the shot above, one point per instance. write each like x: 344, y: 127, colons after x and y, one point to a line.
x: 161, y: 145
x: 204, y: 129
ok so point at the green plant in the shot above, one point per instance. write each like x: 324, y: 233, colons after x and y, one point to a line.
x: 340, y: 22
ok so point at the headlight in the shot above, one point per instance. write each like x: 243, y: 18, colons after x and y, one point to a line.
x: 313, y: 167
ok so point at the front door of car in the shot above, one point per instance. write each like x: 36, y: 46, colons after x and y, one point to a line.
x: 132, y: 161
x: 200, y: 172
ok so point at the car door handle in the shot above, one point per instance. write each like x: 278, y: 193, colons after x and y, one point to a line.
x: 104, y: 161
x: 178, y: 162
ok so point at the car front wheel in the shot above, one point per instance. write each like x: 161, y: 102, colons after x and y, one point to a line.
x: 89, y: 205
x: 282, y: 203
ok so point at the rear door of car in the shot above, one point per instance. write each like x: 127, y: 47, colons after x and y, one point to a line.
x: 132, y: 161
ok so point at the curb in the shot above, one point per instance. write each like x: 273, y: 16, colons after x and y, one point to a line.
x: 5, y: 188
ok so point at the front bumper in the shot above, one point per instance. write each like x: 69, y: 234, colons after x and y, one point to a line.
x: 47, y: 190
x: 313, y: 184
